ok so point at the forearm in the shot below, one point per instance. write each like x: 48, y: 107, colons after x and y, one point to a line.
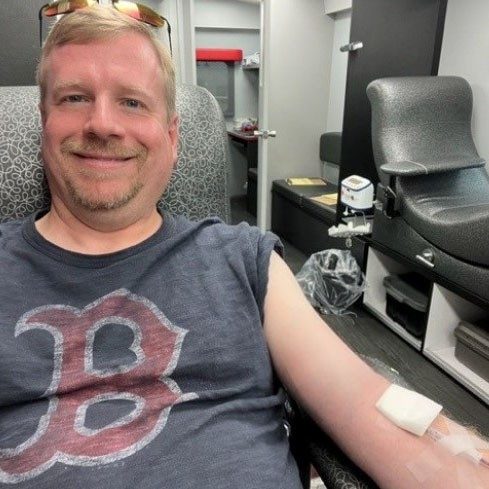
x: 427, y: 462
x: 396, y: 459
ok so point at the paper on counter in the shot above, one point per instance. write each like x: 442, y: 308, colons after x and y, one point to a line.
x: 305, y: 181
x: 326, y: 199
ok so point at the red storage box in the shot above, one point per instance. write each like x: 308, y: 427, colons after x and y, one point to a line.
x: 214, y: 54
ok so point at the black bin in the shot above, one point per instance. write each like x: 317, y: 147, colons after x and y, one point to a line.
x: 407, y: 299
x: 472, y: 347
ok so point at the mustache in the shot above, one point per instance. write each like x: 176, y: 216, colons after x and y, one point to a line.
x: 102, y: 148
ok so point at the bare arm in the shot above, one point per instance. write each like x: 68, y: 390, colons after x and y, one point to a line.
x: 340, y: 391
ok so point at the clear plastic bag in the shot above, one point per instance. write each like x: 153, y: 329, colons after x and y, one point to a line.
x: 331, y: 280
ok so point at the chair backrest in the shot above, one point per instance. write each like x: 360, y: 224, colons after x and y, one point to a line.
x: 425, y: 120
x: 197, y: 189
x: 330, y: 155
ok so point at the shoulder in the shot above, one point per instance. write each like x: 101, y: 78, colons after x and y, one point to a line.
x: 11, y: 229
x: 11, y: 237
x: 214, y: 232
x: 242, y: 249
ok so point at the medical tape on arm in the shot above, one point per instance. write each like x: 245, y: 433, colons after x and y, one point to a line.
x: 457, y: 441
x: 416, y: 413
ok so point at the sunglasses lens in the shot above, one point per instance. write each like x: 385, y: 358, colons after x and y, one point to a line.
x: 135, y: 10
x: 66, y: 6
x: 140, y: 12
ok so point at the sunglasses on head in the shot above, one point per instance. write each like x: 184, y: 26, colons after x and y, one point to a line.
x: 135, y: 10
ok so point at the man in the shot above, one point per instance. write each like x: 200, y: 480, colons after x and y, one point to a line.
x: 137, y: 346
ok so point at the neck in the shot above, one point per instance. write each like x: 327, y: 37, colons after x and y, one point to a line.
x: 107, y: 233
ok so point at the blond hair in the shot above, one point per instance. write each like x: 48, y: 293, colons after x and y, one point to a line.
x: 100, y: 23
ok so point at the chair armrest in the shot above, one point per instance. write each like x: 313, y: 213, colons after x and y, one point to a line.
x: 310, y: 445
x: 414, y: 168
x: 335, y: 469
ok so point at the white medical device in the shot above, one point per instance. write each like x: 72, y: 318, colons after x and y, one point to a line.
x: 357, y: 193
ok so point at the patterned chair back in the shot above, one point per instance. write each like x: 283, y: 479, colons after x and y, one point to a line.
x: 197, y: 189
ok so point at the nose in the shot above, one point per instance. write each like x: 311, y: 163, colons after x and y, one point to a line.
x: 103, y: 120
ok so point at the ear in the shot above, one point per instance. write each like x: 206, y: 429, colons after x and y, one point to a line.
x: 174, y: 133
x: 42, y: 111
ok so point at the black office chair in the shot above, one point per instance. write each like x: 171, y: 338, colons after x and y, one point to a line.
x: 434, y: 185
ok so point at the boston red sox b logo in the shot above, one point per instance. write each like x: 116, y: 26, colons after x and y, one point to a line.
x: 78, y: 383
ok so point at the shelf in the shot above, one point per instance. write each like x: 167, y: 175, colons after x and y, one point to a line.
x: 399, y: 330
x: 250, y: 67
x: 374, y: 298
x: 242, y: 135
x: 446, y: 310
x: 446, y: 359
x: 226, y: 28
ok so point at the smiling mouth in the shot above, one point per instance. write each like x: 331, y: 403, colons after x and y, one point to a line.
x: 103, y: 157
x: 102, y: 161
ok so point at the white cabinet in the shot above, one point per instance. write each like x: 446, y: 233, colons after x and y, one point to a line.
x: 374, y: 298
x: 446, y: 310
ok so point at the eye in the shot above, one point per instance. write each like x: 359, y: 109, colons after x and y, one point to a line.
x: 133, y: 103
x: 74, y: 99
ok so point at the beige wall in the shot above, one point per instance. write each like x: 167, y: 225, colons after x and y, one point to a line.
x: 300, y: 38
x: 465, y: 52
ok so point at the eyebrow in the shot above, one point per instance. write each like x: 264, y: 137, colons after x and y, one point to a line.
x: 131, y: 90
x: 64, y: 86
x: 73, y: 85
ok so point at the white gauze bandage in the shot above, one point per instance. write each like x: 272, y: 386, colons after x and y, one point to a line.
x: 407, y: 409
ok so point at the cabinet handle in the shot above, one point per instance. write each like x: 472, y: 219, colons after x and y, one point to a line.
x: 352, y: 46
x: 427, y: 258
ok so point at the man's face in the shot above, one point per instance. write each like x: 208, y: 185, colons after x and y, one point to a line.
x: 107, y: 143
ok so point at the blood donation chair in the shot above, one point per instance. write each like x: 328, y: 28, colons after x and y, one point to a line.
x: 198, y: 189
x: 434, y: 186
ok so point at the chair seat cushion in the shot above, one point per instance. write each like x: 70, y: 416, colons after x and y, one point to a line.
x: 451, y: 210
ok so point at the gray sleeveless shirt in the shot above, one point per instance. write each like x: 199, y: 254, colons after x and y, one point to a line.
x: 145, y: 368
